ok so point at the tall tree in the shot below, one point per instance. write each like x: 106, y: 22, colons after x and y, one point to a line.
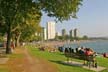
x: 8, y: 11
x: 14, y: 12
x: 27, y: 26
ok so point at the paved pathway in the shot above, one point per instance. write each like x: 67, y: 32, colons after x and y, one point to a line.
x: 98, y: 69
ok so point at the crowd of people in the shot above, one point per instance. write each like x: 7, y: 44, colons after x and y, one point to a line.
x: 86, y: 51
x: 81, y: 50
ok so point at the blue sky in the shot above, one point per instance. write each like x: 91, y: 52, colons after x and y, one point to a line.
x: 92, y: 19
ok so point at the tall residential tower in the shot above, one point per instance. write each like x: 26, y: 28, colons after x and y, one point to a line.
x: 43, y: 34
x: 63, y: 32
x: 76, y: 33
x: 71, y: 33
x: 51, y: 30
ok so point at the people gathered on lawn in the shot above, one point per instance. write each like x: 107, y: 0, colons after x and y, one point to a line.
x: 82, y: 53
x: 81, y: 50
x: 85, y: 51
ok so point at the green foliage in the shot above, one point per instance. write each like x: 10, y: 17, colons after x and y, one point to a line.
x: 20, y: 18
x: 1, y: 38
x: 3, y: 70
x: 85, y: 37
x: 13, y: 17
x: 60, y: 9
x: 17, y: 12
x: 71, y: 38
x: 16, y: 56
x: 27, y: 24
x: 59, y: 37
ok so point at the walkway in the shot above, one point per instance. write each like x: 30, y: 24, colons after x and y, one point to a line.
x: 98, y: 69
x: 27, y: 63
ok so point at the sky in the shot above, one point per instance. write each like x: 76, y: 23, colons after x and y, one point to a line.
x: 92, y: 19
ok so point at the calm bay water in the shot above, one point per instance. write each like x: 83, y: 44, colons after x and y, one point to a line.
x: 99, y: 46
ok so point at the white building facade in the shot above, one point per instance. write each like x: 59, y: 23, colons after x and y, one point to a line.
x: 45, y: 34
x: 51, y: 30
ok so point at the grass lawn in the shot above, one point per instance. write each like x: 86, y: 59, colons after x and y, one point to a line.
x: 57, y: 57
x: 3, y: 70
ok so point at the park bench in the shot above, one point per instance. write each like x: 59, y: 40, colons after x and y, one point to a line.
x: 91, y: 59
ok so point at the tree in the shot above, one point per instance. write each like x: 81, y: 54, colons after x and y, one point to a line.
x: 85, y: 37
x: 27, y: 28
x: 9, y: 9
x: 1, y: 38
x: 14, y: 14
x: 60, y: 9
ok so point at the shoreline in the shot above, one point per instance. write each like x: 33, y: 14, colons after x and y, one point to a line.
x: 98, y: 45
x: 62, y: 43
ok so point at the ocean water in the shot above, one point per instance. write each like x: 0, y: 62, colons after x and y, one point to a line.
x: 100, y: 46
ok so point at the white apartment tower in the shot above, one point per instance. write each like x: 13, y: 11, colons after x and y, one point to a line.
x: 43, y: 34
x: 51, y: 30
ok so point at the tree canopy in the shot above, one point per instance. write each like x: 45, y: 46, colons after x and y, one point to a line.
x: 21, y: 18
x: 60, y: 9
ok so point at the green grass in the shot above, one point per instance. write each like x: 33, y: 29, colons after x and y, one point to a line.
x: 15, y: 55
x: 103, y: 62
x: 57, y: 58
x: 3, y: 70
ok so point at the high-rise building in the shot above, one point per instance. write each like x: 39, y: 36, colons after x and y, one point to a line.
x: 51, y: 30
x: 43, y: 34
x: 63, y: 32
x: 76, y: 33
x: 71, y: 33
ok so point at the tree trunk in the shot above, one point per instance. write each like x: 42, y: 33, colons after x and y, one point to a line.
x: 17, y: 40
x: 8, y: 49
